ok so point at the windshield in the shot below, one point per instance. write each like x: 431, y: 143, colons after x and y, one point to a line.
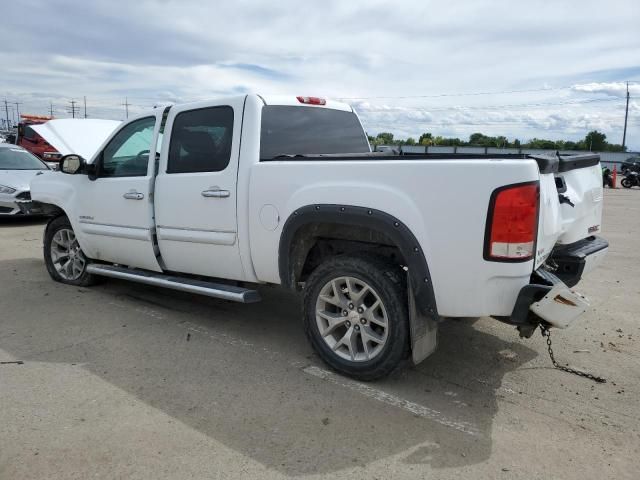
x: 288, y: 130
x: 18, y: 159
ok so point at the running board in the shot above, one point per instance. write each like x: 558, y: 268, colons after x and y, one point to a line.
x: 209, y: 289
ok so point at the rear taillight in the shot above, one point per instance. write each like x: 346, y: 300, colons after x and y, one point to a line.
x: 312, y: 100
x: 512, y: 223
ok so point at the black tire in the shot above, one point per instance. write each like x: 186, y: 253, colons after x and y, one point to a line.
x: 626, y: 183
x: 55, y: 225
x: 389, y: 283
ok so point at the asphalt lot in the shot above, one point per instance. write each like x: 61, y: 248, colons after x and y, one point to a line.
x: 128, y: 381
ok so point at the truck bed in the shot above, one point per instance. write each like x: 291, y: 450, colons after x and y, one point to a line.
x: 546, y: 163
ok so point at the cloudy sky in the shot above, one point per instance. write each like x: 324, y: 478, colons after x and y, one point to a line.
x: 545, y: 69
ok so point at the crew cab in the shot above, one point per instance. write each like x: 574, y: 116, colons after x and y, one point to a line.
x: 220, y: 196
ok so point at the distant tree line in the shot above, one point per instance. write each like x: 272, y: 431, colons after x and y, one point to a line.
x: 594, y: 140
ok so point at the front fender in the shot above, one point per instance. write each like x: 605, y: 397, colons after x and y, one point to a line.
x: 57, y: 190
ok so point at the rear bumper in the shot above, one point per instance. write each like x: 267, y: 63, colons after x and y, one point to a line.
x: 549, y: 298
x: 578, y: 258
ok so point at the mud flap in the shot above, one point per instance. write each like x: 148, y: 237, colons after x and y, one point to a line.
x: 424, y: 331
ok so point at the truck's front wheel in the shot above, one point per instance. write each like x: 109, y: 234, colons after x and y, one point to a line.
x: 356, y: 316
x: 63, y: 256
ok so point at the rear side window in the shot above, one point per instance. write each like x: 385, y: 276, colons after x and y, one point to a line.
x: 290, y: 130
x: 201, y: 140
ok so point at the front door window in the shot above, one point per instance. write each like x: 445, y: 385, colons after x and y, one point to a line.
x: 127, y: 154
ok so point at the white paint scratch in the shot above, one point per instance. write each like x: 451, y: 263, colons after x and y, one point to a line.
x: 392, y: 400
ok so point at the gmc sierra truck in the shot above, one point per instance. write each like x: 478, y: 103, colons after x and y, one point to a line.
x: 217, y: 197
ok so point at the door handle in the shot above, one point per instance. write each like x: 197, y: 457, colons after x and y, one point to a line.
x: 217, y: 193
x: 133, y: 195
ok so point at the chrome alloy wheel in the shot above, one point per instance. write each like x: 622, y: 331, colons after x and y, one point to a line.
x: 66, y: 255
x: 352, y: 319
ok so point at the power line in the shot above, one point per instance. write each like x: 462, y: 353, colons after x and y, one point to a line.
x: 472, y: 94
x: 478, y: 122
x: 489, y: 107
x: 466, y: 94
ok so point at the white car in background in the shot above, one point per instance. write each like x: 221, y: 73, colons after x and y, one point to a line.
x: 17, y: 168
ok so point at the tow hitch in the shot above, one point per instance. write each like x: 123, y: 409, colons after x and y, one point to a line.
x: 546, y: 332
x: 557, y: 306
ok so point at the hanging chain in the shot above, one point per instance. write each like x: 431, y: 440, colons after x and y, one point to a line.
x: 547, y: 333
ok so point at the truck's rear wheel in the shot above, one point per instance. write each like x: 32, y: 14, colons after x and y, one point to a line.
x: 65, y: 261
x: 356, y: 316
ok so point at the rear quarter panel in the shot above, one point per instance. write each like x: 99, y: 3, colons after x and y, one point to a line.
x: 443, y: 202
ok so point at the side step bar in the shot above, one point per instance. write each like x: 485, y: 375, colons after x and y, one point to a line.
x: 199, y: 287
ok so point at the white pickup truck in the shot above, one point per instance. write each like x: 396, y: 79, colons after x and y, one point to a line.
x: 216, y: 197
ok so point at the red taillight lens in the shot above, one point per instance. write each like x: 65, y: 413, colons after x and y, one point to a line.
x: 312, y: 100
x: 512, y: 223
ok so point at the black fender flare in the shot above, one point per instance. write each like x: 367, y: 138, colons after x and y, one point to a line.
x: 420, y: 279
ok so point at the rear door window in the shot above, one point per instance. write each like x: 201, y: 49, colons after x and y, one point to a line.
x: 201, y: 140
x: 292, y: 130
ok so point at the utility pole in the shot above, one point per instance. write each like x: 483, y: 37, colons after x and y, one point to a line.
x: 626, y: 115
x: 126, y: 107
x: 74, y: 109
x: 51, y: 109
x: 85, y: 106
x: 17, y: 109
x: 6, y: 111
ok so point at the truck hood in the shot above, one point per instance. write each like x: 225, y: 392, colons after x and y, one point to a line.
x: 74, y: 135
x: 19, y: 179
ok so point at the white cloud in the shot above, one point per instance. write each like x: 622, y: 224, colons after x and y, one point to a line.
x: 614, y: 89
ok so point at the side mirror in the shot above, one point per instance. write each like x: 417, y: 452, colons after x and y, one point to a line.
x: 71, y: 164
